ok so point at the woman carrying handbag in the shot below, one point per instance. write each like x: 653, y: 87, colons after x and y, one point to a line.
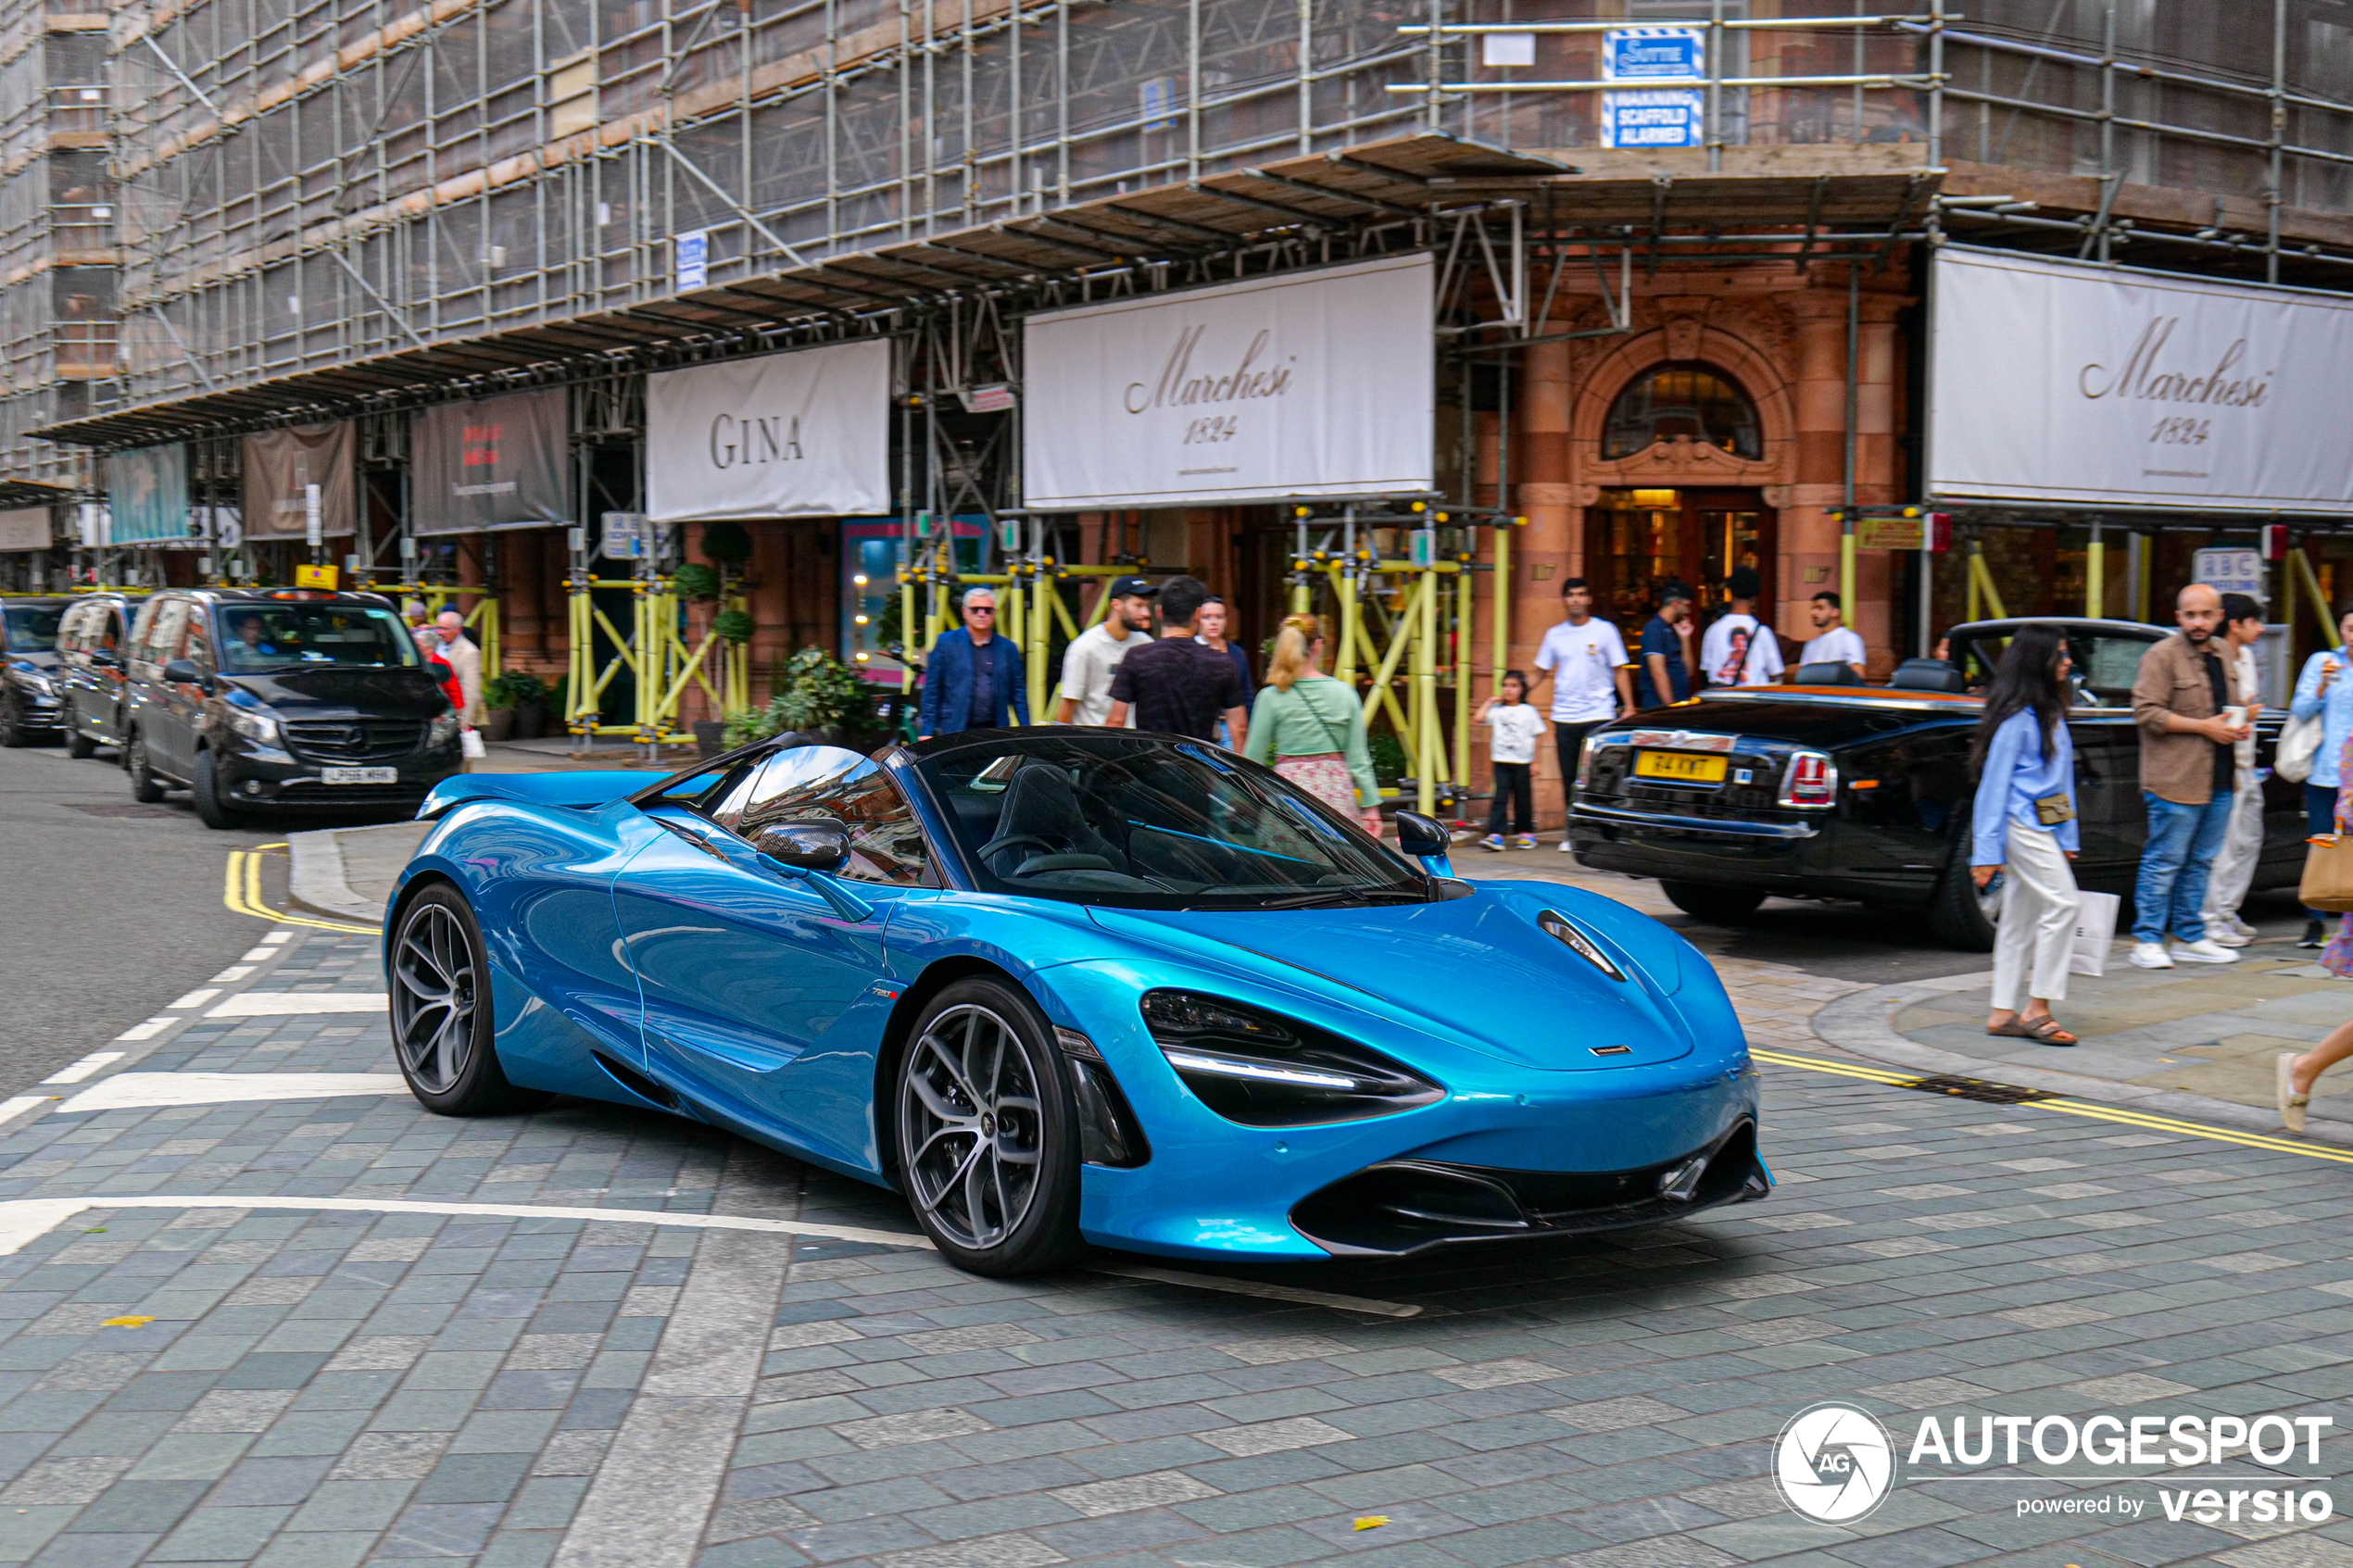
x: 2024, y: 827
x: 2323, y: 702
x: 1308, y: 727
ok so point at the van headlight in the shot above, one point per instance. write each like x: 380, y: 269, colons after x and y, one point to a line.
x: 259, y: 728
x: 445, y: 730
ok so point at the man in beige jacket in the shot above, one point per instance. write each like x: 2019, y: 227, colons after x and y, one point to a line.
x: 457, y: 650
x: 2188, y: 760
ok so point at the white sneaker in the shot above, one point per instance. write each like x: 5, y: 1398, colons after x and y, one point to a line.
x: 2226, y: 935
x: 1567, y: 847
x: 2151, y: 954
x: 2204, y: 950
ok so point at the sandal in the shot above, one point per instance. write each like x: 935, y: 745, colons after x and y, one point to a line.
x: 2292, y: 1104
x: 2046, y: 1030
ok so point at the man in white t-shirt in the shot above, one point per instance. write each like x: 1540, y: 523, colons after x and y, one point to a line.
x: 1738, y: 649
x: 1093, y: 656
x: 1586, y: 661
x: 1834, y: 643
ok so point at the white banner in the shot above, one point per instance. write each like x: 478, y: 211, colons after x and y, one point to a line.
x: 2054, y: 380
x: 800, y: 435
x: 24, y: 528
x: 1315, y: 383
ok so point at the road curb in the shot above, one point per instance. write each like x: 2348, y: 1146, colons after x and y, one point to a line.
x: 1862, y: 1023
x: 317, y: 881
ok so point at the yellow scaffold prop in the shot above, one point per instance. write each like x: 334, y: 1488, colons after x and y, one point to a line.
x: 481, y: 621
x: 655, y: 653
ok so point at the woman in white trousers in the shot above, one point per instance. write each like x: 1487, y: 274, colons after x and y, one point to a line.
x: 2023, y: 826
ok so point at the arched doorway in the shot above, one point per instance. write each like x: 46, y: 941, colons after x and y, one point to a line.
x: 1688, y: 420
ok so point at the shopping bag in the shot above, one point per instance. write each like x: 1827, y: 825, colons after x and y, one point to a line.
x: 2300, y: 743
x: 470, y: 742
x: 2094, y: 932
x: 2328, y: 874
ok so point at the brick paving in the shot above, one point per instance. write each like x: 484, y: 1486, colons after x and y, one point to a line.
x: 316, y: 1389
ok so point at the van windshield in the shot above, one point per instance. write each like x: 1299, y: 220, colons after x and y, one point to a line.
x: 34, y: 627
x: 255, y: 639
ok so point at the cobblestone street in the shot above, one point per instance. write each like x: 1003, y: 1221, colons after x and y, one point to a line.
x: 333, y: 1329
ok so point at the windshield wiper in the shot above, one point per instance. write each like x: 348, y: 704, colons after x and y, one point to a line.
x: 1342, y: 896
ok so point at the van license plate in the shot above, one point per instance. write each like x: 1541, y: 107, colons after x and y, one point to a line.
x: 1689, y: 766
x: 359, y: 775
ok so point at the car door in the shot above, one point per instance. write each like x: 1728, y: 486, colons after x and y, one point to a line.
x: 73, y: 661
x: 172, y: 747
x: 2111, y: 821
x: 163, y: 627
x: 110, y: 646
x: 762, y: 1002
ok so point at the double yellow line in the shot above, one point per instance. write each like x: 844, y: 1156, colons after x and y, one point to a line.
x: 241, y: 890
x: 2076, y: 1107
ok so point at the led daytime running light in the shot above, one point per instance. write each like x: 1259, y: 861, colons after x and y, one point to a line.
x: 1229, y: 1067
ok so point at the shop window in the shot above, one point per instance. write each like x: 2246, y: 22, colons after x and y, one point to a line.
x: 1687, y: 399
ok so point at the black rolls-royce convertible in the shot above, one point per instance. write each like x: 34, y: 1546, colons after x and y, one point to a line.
x: 1863, y: 792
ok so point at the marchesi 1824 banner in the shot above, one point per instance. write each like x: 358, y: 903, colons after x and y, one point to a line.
x: 280, y: 465
x: 1314, y: 383
x: 2054, y: 381
x: 798, y: 434
x: 498, y: 463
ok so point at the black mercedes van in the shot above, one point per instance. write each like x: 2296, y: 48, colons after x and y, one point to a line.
x: 279, y: 699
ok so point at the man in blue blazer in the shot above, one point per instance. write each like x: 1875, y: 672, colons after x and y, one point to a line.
x: 973, y: 679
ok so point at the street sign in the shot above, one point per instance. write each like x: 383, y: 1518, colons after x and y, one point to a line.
x: 2230, y: 571
x: 1507, y: 49
x: 693, y: 261
x: 1661, y: 115
x: 1928, y: 531
x: 624, y: 536
x: 313, y: 522
x: 315, y: 577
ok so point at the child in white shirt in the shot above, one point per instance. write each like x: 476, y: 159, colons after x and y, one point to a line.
x: 1517, y: 727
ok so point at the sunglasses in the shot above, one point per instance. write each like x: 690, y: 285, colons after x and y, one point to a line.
x: 980, y: 609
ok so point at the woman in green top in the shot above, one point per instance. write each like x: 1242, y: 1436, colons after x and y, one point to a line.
x: 1311, y: 728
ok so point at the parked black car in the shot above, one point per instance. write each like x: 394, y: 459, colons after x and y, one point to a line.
x: 29, y: 670
x: 1863, y: 792
x: 281, y: 698
x: 91, y: 676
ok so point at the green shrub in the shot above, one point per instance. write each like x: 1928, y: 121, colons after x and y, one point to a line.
x: 733, y: 625
x: 813, y: 690
x: 1388, y: 755
x: 693, y: 582
x: 726, y: 544
x: 513, y: 689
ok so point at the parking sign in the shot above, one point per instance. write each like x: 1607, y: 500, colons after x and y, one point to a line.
x: 1661, y: 115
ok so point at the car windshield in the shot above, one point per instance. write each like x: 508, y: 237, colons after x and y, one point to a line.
x: 276, y: 636
x: 2105, y: 662
x: 1147, y: 823
x: 34, y: 627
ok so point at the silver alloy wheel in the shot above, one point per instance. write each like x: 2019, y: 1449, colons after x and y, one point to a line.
x: 433, y: 988
x: 970, y: 1127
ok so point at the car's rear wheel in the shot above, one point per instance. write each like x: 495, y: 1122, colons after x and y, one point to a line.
x: 988, y: 1149
x: 144, y: 786
x: 442, y: 1028
x: 78, y: 745
x: 12, y: 731
x: 204, y: 791
x: 1961, y: 914
x: 1718, y: 906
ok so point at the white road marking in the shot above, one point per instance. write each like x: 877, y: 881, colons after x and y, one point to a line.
x: 1253, y: 1288
x: 234, y: 972
x: 84, y: 1068
x: 129, y: 1091
x: 148, y: 1030
x: 26, y: 1219
x: 260, y: 954
x: 290, y: 1004
x: 277, y: 937
x: 197, y: 998
x: 13, y: 1107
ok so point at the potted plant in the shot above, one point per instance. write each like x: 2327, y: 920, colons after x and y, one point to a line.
x: 816, y: 695
x: 711, y: 735
x: 523, y: 696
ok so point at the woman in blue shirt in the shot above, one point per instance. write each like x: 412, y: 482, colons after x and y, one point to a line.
x: 2024, y: 827
x: 2324, y: 689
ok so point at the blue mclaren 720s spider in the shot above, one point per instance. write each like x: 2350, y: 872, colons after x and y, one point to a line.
x: 1068, y: 986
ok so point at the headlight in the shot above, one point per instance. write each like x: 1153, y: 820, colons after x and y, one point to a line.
x: 36, y: 683
x: 258, y: 728
x: 1266, y: 1071
x: 445, y: 729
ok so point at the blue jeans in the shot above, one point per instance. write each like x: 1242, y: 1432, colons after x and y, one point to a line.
x: 2183, y: 842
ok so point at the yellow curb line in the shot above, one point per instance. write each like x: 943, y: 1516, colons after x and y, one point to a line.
x: 242, y: 892
x: 2078, y: 1107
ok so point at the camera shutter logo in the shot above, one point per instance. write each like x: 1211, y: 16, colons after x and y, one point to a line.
x: 1834, y: 1463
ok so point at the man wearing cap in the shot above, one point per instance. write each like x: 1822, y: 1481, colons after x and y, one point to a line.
x: 1093, y: 656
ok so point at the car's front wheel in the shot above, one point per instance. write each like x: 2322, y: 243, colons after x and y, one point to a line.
x: 1961, y: 914
x: 12, y: 731
x: 1718, y: 906
x: 144, y: 786
x: 442, y: 1027
x: 988, y: 1149
x: 78, y: 745
x: 204, y: 791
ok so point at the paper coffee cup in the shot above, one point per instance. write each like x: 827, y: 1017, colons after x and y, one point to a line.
x: 2236, y: 716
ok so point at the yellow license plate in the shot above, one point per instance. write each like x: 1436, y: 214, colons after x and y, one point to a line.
x: 1691, y: 767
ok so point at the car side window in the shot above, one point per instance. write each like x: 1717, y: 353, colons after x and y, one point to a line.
x: 109, y: 630
x: 165, y: 625
x: 69, y: 629
x: 826, y: 782
x: 199, y: 647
